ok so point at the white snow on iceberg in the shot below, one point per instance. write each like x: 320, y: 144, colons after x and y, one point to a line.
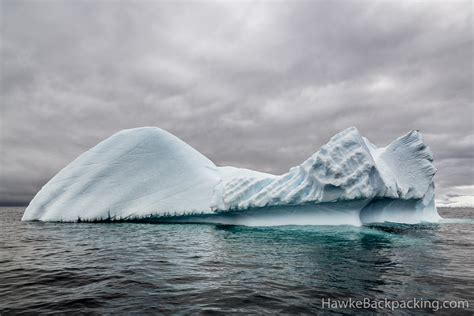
x: 149, y: 174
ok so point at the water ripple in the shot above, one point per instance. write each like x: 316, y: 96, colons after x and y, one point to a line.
x: 217, y: 269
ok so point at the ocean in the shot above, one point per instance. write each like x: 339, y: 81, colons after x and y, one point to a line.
x: 141, y: 268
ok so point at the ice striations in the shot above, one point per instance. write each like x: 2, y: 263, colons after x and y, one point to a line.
x: 147, y: 174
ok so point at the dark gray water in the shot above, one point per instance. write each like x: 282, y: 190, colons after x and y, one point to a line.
x: 146, y: 268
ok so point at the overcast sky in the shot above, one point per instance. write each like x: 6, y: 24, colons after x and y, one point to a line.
x: 260, y: 85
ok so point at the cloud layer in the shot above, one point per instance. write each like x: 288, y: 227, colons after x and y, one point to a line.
x: 260, y: 85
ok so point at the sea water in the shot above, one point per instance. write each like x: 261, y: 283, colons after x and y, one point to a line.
x: 207, y: 268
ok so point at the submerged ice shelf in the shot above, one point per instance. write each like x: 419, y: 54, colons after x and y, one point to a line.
x: 148, y: 173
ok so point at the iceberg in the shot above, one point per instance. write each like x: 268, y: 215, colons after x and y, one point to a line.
x: 148, y: 174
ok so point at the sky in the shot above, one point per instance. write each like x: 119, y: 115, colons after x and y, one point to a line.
x: 255, y: 84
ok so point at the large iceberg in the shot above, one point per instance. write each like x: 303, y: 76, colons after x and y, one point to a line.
x: 148, y: 174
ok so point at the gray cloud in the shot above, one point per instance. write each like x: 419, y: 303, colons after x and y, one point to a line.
x: 260, y: 85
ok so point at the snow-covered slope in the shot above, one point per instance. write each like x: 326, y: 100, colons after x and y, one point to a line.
x: 147, y: 172
x: 133, y: 173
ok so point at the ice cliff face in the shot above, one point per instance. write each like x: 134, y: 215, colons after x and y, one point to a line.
x: 147, y: 172
x: 348, y: 167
